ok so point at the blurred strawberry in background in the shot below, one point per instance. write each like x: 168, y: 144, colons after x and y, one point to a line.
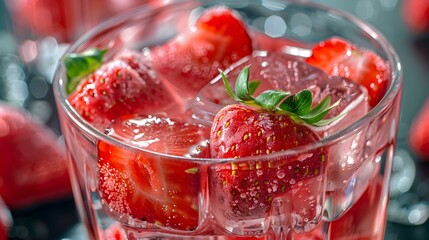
x: 419, y: 133
x: 64, y: 19
x: 33, y: 167
x: 43, y: 18
x: 416, y: 15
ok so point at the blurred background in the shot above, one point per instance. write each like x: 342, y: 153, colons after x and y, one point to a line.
x: 34, y: 34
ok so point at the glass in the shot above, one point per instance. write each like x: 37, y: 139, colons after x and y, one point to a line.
x: 347, y: 201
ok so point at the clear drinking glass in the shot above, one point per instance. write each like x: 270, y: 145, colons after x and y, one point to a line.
x: 346, y: 201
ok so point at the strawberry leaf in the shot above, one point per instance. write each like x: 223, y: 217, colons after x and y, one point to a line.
x: 299, y: 103
x: 253, y: 85
x: 227, y: 87
x: 270, y: 99
x: 79, y: 65
x: 242, y: 85
x: 296, y: 105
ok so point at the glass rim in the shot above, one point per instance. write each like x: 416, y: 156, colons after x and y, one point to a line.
x: 396, y: 75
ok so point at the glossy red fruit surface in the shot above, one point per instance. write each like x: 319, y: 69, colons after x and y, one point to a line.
x: 147, y: 186
x: 416, y: 15
x: 218, y: 39
x: 419, y: 133
x: 338, y: 57
x: 124, y: 85
x: 250, y: 186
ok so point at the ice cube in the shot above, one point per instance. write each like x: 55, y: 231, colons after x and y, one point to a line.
x: 273, y: 70
x: 162, y: 135
x: 353, y: 102
x: 281, y: 71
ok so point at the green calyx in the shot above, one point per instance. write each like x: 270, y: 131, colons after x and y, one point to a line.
x: 297, y: 106
x: 79, y: 65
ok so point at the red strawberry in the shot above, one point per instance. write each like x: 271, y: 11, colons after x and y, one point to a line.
x: 419, y: 133
x: 43, y: 18
x: 3, y: 232
x: 218, y: 39
x: 239, y: 131
x: 247, y: 188
x: 122, y: 86
x: 154, y: 188
x: 33, y: 166
x: 338, y: 57
x: 3, y: 235
x: 416, y: 14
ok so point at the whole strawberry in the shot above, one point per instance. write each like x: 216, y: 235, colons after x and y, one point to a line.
x: 269, y: 123
x: 416, y: 15
x: 419, y: 133
x: 124, y: 85
x: 218, y: 39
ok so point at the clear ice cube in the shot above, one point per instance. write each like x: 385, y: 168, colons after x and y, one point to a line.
x: 281, y: 71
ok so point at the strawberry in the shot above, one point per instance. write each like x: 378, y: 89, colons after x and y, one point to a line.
x: 3, y: 232
x: 419, y: 133
x: 338, y: 57
x: 124, y: 85
x: 241, y: 131
x: 33, y: 165
x: 43, y: 18
x: 155, y: 188
x: 218, y: 39
x: 416, y: 15
x: 252, y: 132
x: 267, y: 126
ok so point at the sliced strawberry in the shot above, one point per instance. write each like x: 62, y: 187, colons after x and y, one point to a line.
x: 419, y: 133
x: 250, y: 186
x: 338, y: 57
x: 33, y: 165
x: 218, y: 39
x: 144, y: 185
x: 122, y: 86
